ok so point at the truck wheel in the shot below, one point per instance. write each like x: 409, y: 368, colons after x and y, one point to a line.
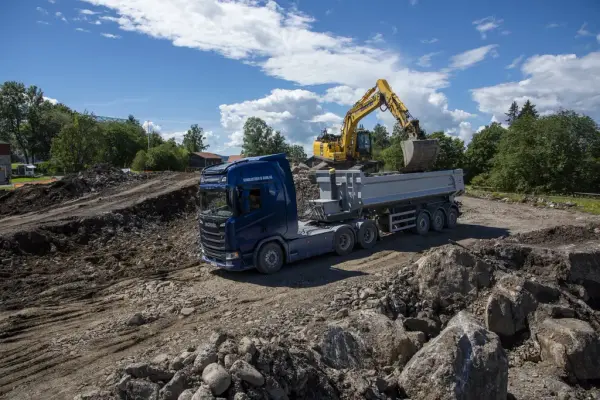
x: 452, y: 219
x: 367, y: 234
x: 423, y: 223
x: 270, y: 258
x: 343, y: 241
x: 438, y: 220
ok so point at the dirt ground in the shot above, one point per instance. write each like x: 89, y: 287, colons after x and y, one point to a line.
x: 97, y: 295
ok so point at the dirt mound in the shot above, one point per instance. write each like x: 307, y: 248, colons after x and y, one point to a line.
x: 559, y: 235
x: 305, y: 191
x: 40, y: 196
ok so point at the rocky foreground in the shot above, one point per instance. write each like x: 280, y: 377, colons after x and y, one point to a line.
x: 511, y: 318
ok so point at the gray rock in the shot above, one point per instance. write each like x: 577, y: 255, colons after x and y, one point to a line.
x: 174, y: 387
x: 572, y: 345
x: 465, y: 361
x: 366, y: 293
x: 426, y: 325
x: 535, y: 381
x: 450, y: 273
x: 543, y: 292
x: 229, y: 359
x: 508, y: 307
x: 160, y: 359
x: 94, y: 395
x: 418, y: 338
x: 203, y: 393
x: 241, y: 396
x: 187, y: 394
x: 342, y: 313
x: 187, y: 311
x: 144, y: 370
x: 246, y: 346
x: 246, y: 372
x: 138, y: 389
x: 216, y: 338
x: 364, y: 340
x: 274, y: 389
x: 217, y: 378
x: 122, y: 385
x: 206, y: 355
x: 228, y: 347
x: 136, y: 319
x: 584, y: 268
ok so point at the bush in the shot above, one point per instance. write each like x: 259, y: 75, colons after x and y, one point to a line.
x: 481, y: 180
x: 139, y: 162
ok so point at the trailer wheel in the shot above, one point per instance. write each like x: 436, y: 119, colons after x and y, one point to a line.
x: 452, y: 219
x: 270, y: 258
x: 438, y: 221
x: 343, y: 241
x: 423, y: 223
x: 367, y: 234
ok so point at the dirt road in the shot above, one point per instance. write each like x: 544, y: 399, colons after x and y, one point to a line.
x: 67, y: 318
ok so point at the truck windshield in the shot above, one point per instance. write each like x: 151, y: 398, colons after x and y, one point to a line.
x: 215, y: 202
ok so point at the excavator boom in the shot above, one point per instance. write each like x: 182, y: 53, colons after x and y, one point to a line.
x: 419, y: 152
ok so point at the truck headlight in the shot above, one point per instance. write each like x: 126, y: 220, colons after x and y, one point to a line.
x: 232, y: 256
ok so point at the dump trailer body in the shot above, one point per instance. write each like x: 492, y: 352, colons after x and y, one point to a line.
x: 248, y: 215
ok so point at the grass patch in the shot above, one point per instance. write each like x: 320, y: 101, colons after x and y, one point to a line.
x: 586, y: 204
x: 30, y: 179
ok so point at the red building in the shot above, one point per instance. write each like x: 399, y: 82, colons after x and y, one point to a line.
x: 5, y: 166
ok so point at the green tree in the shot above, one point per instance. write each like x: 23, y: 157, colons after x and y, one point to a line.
x: 79, y: 144
x: 528, y: 110
x: 381, y: 137
x: 277, y: 144
x: 139, y: 162
x: 13, y: 112
x: 451, y: 154
x: 122, y: 142
x: 193, y: 140
x: 257, y: 137
x: 53, y: 119
x: 393, y: 157
x: 399, y: 132
x: 513, y: 113
x: 481, y: 151
x: 296, y: 153
x: 167, y: 156
x: 155, y: 139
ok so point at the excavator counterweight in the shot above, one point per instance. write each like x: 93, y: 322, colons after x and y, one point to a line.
x: 352, y: 148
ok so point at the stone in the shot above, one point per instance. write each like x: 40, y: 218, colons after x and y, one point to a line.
x: 206, y: 355
x: 185, y: 358
x: 228, y: 347
x: 187, y: 394
x: 139, y: 389
x: 95, y: 395
x: 174, y: 387
x: 366, y: 293
x: 543, y: 292
x: 342, y: 313
x: 217, y: 378
x: 246, y: 346
x: 449, y: 274
x: 241, y: 396
x: 425, y: 325
x: 160, y: 359
x: 187, y: 311
x: 136, y: 319
x: 465, y: 361
x: 274, y: 389
x: 247, y: 373
x: 418, y: 338
x: 216, y: 338
x: 535, y: 381
x: 229, y: 359
x: 122, y: 385
x: 203, y: 393
x: 572, y: 345
x: 144, y: 370
x: 508, y: 307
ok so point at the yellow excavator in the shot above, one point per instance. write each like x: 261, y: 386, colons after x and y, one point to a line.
x: 352, y: 148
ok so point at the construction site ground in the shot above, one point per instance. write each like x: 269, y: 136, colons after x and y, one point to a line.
x: 115, y: 276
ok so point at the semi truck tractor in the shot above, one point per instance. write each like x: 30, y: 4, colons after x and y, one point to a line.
x: 248, y: 214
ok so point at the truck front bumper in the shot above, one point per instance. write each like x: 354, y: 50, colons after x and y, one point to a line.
x: 230, y: 265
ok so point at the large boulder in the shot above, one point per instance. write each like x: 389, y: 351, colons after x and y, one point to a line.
x: 449, y: 273
x: 584, y: 269
x: 174, y: 387
x: 572, y: 345
x: 508, y: 307
x: 138, y: 389
x: 366, y: 339
x: 217, y: 378
x: 144, y: 370
x: 465, y: 361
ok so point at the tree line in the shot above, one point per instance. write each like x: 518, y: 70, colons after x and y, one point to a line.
x: 70, y: 141
x: 260, y: 139
x: 557, y: 153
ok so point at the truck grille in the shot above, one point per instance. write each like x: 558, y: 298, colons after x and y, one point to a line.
x: 213, y: 240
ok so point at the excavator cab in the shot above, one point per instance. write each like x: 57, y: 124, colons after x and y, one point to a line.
x: 363, y: 144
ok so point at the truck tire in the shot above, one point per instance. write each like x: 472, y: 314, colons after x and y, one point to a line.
x: 343, y: 241
x: 452, y: 219
x: 423, y: 223
x: 270, y: 258
x: 367, y: 235
x: 438, y: 220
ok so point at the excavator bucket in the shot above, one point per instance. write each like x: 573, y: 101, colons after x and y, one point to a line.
x: 419, y: 155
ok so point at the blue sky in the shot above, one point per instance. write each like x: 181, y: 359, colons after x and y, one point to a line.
x: 300, y: 64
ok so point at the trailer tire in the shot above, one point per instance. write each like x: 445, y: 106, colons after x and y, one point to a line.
x: 423, y: 223
x: 452, y: 219
x: 270, y: 258
x: 367, y: 234
x: 343, y: 241
x: 438, y: 220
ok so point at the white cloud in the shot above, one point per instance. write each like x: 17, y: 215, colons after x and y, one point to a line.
x: 377, y: 38
x: 50, y: 100
x: 51, y: 1
x: 413, y: 2
x: 583, y: 31
x: 394, y: 29
x: 425, y: 60
x: 151, y: 126
x: 328, y: 118
x: 343, y: 95
x: 552, y: 82
x: 110, y: 36
x: 43, y: 22
x: 464, y: 131
x: 487, y: 24
x: 328, y: 12
x: 471, y: 57
x: 505, y: 32
x: 42, y: 10
x: 553, y: 25
x: 87, y: 12
x: 515, y: 63
x: 598, y: 38
x: 82, y: 30
x: 429, y: 41
x: 60, y: 16
x: 97, y: 22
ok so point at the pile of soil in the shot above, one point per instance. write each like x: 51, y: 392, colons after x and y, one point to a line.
x: 305, y: 191
x: 504, y: 318
x: 40, y: 196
